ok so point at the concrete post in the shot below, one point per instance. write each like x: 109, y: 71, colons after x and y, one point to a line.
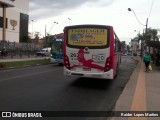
x: 4, y: 25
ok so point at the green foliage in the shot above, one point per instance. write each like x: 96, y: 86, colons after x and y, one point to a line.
x: 26, y: 39
x: 23, y: 63
x: 2, y: 65
x: 49, y: 41
x: 151, y: 35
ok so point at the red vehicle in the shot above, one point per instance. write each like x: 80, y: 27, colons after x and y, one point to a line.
x: 91, y: 51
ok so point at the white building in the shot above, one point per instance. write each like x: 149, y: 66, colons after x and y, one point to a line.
x: 134, y: 45
x: 16, y: 14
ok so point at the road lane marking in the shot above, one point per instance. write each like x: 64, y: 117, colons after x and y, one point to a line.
x: 30, y: 74
x: 139, y: 98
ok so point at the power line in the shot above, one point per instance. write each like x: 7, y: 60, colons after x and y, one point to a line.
x: 151, y: 9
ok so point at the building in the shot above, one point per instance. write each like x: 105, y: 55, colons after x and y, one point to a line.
x: 134, y: 45
x: 124, y: 47
x: 14, y: 16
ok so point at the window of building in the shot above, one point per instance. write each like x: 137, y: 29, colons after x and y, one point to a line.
x: 23, y: 27
x: 1, y: 22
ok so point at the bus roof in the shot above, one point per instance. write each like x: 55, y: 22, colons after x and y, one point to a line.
x: 87, y: 25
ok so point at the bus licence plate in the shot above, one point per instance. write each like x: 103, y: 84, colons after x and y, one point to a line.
x: 86, y: 69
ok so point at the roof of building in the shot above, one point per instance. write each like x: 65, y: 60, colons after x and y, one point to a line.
x: 3, y: 3
x: 60, y: 34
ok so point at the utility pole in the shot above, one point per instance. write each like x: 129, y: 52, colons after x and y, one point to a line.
x: 45, y: 35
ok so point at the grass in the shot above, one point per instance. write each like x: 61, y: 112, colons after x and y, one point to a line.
x: 23, y: 63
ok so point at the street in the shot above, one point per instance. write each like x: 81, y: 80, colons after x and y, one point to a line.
x: 45, y: 88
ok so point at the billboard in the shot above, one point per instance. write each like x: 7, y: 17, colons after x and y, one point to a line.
x: 87, y: 37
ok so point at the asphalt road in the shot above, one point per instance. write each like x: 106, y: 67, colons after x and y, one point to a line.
x: 45, y: 88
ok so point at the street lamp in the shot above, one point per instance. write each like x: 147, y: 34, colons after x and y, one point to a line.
x: 69, y: 20
x: 129, y: 9
x: 53, y: 26
x: 146, y: 25
x: 32, y: 28
x: 138, y: 35
x: 46, y: 34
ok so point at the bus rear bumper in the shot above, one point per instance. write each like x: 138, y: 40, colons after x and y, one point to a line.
x: 104, y: 75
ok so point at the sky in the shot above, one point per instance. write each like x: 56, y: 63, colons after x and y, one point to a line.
x: 47, y: 13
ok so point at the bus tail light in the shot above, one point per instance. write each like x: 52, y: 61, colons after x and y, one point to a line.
x: 66, y: 62
x: 107, y: 64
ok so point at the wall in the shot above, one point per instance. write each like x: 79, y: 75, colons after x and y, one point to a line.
x: 13, y: 13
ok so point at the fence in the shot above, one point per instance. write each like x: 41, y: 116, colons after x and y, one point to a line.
x: 15, y: 49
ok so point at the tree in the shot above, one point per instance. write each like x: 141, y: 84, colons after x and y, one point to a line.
x: 49, y: 40
x: 141, y: 37
x: 26, y: 39
x: 152, y: 35
x: 37, y: 34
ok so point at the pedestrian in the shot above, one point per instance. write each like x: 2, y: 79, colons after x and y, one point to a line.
x: 147, y: 60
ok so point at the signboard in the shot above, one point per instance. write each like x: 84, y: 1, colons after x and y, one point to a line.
x: 59, y: 40
x: 87, y: 37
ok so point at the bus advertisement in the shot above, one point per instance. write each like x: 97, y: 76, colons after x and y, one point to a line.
x: 91, y: 51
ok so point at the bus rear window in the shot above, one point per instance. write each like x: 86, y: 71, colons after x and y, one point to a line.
x: 87, y: 37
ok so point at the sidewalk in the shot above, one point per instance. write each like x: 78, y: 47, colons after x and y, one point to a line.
x: 141, y: 93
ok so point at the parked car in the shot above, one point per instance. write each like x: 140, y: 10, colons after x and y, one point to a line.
x: 44, y: 52
x: 129, y: 53
x: 134, y: 54
x: 3, y: 52
x: 124, y: 54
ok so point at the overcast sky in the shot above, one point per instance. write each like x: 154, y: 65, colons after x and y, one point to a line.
x: 105, y: 12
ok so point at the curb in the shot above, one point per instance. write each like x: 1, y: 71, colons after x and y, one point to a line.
x: 135, y: 58
x: 127, y: 93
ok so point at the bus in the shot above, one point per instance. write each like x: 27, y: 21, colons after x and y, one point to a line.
x: 91, y: 51
x: 57, y: 49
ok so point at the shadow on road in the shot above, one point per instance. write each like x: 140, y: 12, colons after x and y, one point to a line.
x: 92, y: 83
